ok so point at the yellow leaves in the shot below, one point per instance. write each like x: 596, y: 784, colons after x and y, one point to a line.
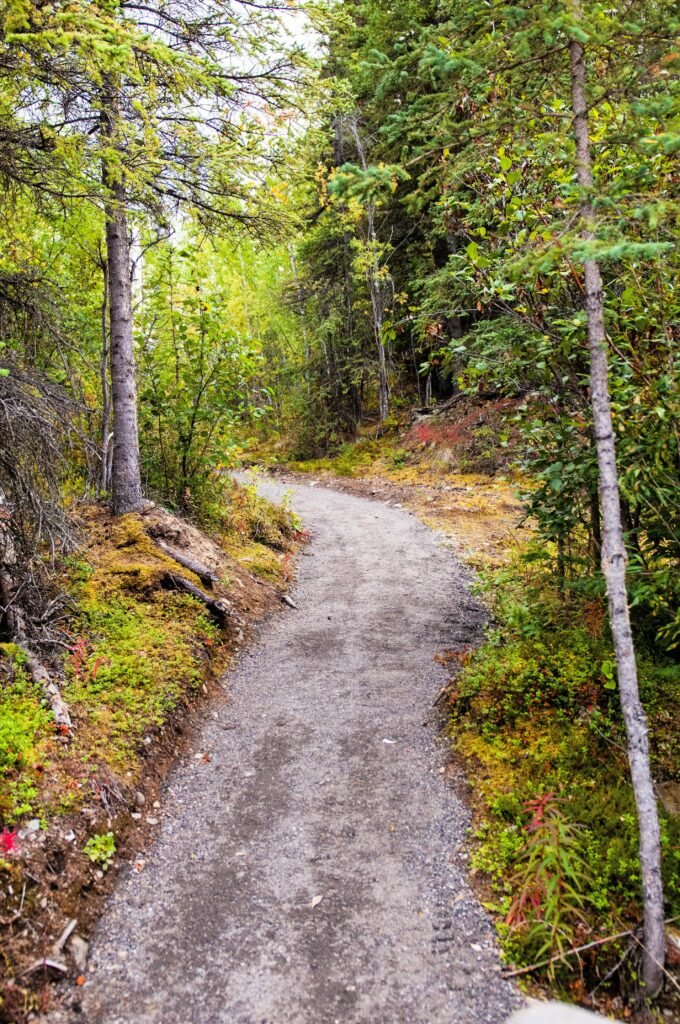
x: 279, y: 191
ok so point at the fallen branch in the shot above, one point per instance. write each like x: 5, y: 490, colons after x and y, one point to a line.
x: 661, y: 967
x: 205, y: 575
x: 41, y: 676
x: 219, y: 608
x: 58, y: 946
x: 581, y: 949
x: 436, y: 410
x: 46, y: 964
x: 569, y: 952
x: 442, y: 693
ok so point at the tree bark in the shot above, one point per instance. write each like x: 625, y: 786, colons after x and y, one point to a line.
x: 614, y: 557
x: 126, y: 479
x: 376, y: 290
x: 104, y: 481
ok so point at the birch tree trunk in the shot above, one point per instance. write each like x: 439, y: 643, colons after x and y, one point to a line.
x: 614, y: 557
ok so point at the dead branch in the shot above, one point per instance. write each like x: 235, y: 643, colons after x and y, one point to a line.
x: 205, y: 575
x: 218, y: 607
x: 41, y: 676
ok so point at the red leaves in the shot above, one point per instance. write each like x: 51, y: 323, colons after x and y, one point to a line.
x: 537, y: 808
x: 8, y: 842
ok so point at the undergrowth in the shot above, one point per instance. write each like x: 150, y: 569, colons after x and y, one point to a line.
x: 136, y: 652
x: 25, y: 736
x: 535, y: 715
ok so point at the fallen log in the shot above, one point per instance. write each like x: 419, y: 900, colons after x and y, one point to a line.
x: 205, y: 575
x: 41, y: 676
x: 436, y: 410
x: 219, y: 608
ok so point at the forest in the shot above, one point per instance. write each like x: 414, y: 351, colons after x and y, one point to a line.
x: 423, y: 246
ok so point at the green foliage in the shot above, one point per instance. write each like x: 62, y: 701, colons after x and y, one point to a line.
x: 101, y: 849
x: 477, y: 242
x: 201, y: 361
x: 24, y: 730
x: 539, y: 725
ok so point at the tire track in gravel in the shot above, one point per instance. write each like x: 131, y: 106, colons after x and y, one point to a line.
x: 329, y: 786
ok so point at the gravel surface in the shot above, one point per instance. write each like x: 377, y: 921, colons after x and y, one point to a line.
x: 311, y: 861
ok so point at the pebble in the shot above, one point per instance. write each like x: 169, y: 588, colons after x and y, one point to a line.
x: 78, y: 948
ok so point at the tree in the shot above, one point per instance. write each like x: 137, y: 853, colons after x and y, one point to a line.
x: 614, y: 556
x: 172, y: 103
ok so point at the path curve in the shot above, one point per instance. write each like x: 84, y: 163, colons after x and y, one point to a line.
x: 323, y: 782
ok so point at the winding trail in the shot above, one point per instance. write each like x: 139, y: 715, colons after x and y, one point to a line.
x: 322, y: 782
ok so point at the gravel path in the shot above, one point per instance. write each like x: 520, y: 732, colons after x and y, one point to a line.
x: 313, y: 870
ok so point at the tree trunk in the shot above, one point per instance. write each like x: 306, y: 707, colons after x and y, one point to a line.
x: 126, y: 480
x: 376, y: 289
x: 104, y: 480
x: 614, y: 553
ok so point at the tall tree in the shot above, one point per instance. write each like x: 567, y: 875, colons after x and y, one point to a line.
x: 614, y: 556
x: 173, y: 103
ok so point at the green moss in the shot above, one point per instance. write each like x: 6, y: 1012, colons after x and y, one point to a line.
x: 349, y: 461
x: 134, y: 664
x: 26, y: 727
x: 242, y: 516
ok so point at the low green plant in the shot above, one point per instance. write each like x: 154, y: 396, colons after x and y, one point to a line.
x: 101, y: 849
x: 24, y: 726
x: 537, y: 705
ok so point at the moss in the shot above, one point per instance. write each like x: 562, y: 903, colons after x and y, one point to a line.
x: 350, y: 460
x: 258, y: 559
x: 126, y: 561
x: 26, y: 735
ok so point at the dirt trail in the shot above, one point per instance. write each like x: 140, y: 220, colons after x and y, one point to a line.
x: 313, y: 869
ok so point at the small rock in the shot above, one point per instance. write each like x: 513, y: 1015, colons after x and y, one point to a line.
x: 156, y: 803
x: 78, y: 948
x: 140, y: 799
x: 135, y: 815
x: 152, y: 821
